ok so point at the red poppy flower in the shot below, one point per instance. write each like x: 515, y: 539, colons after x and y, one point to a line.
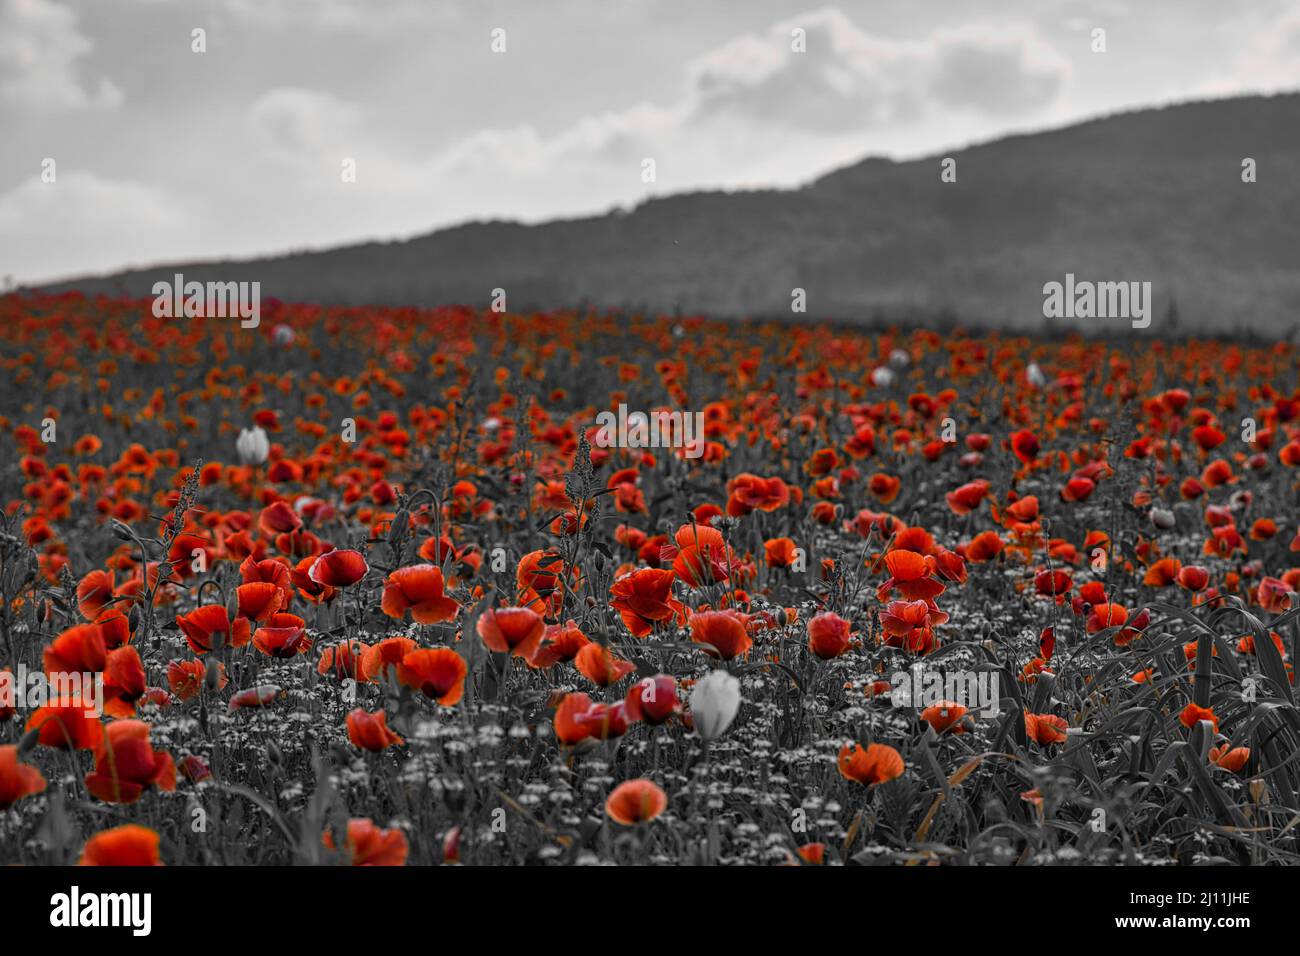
x: 945, y: 715
x: 186, y: 678
x: 559, y: 643
x: 1193, y: 577
x: 1230, y: 760
x: 17, y: 780
x: 577, y: 718
x: 69, y: 723
x: 282, y: 636
x: 722, y: 631
x: 382, y: 659
x: 1274, y: 595
x: 370, y: 731
x: 1107, y: 615
x: 653, y: 700
x: 884, y: 487
x: 1078, y: 489
x: 124, y: 682
x: 636, y: 801
x: 258, y: 600
x: 368, y: 845
x: 338, y: 569
x: 263, y: 695
x: 968, y: 497
x: 114, y: 628
x: 205, y: 626
x: 1163, y: 573
x: 1208, y: 437
x: 749, y: 493
x: 600, y: 666
x: 270, y: 571
x: 278, y: 518
x: 780, y: 552
x: 870, y: 765
x: 1192, y: 714
x: 644, y: 598
x: 345, y: 660
x: 94, y: 592
x: 828, y: 635
x: 129, y: 845
x: 514, y: 630
x: 1025, y: 445
x: 1045, y: 728
x: 438, y: 673
x: 910, y: 574
x: 702, y: 556
x: 569, y: 729
x: 539, y: 572
x: 605, y: 721
x: 1053, y: 583
x: 418, y: 589
x: 126, y: 764
x: 300, y: 575
x: 985, y: 546
x: 78, y: 650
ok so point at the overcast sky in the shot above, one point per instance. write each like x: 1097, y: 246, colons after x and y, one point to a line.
x: 163, y: 153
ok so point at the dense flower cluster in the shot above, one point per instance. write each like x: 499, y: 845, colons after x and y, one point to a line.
x: 383, y: 555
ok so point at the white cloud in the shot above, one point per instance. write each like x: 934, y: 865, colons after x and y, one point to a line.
x: 753, y: 107
x: 1270, y: 62
x: 302, y: 122
x: 340, y: 16
x: 95, y: 222
x: 849, y: 79
x: 751, y: 112
x: 39, y: 49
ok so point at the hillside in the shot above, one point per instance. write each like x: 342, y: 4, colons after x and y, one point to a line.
x: 1152, y: 195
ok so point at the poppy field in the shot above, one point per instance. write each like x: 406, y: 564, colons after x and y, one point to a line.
x: 371, y: 586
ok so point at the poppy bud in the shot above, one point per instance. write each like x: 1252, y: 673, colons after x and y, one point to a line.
x: 120, y: 531
x: 273, y: 753
x: 451, y: 846
x: 398, y: 528
x: 29, y: 740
